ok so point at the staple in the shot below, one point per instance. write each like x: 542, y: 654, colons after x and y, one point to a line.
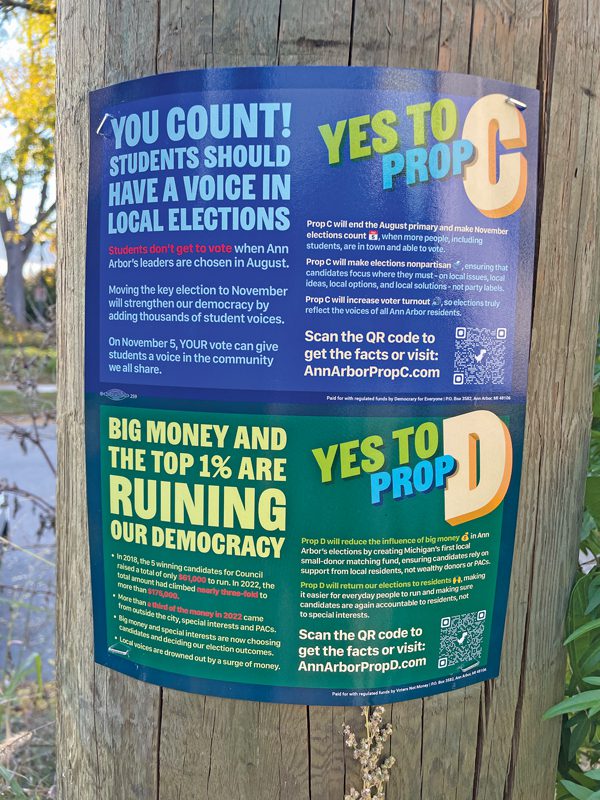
x: 102, y: 121
x: 517, y: 103
x: 114, y: 649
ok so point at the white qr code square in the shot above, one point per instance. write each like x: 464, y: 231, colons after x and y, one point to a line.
x: 461, y: 639
x: 479, y: 355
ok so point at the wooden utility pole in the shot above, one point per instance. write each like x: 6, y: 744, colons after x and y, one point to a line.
x: 120, y: 739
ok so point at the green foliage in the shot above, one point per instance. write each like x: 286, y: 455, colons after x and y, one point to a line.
x: 580, y: 738
x: 27, y: 109
x: 578, y: 772
x: 27, y: 119
x: 13, y: 404
x: 590, y: 532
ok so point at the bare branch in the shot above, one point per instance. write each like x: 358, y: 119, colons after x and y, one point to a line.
x: 4, y: 587
x: 42, y: 217
x: 43, y: 193
x: 7, y: 542
x: 35, y: 499
x: 23, y: 435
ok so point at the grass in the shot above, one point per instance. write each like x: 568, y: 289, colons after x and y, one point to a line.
x: 13, y: 404
x: 25, y: 354
x: 27, y: 748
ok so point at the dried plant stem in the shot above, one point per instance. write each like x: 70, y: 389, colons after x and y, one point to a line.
x: 32, y: 436
x: 375, y: 768
x: 24, y: 494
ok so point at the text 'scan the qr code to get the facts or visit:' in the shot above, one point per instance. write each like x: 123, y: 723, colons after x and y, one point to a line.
x: 308, y: 299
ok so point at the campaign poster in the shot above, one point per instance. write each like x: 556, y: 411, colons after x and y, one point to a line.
x: 308, y: 297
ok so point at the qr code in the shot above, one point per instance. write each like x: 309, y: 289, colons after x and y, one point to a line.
x: 461, y: 639
x: 479, y: 355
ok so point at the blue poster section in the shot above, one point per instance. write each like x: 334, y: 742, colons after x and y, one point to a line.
x: 309, y: 241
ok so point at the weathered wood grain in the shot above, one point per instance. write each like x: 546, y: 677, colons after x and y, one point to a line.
x: 125, y: 740
x: 455, y: 36
x: 99, y: 712
x: 185, y: 35
x: 315, y: 32
x: 565, y: 313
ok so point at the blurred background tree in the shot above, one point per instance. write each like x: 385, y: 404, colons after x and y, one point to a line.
x: 27, y: 116
x: 35, y: 6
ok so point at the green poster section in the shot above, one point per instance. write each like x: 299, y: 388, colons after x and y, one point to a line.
x: 225, y: 554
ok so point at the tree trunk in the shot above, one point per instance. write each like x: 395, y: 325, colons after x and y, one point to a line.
x: 14, y: 283
x: 122, y: 739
